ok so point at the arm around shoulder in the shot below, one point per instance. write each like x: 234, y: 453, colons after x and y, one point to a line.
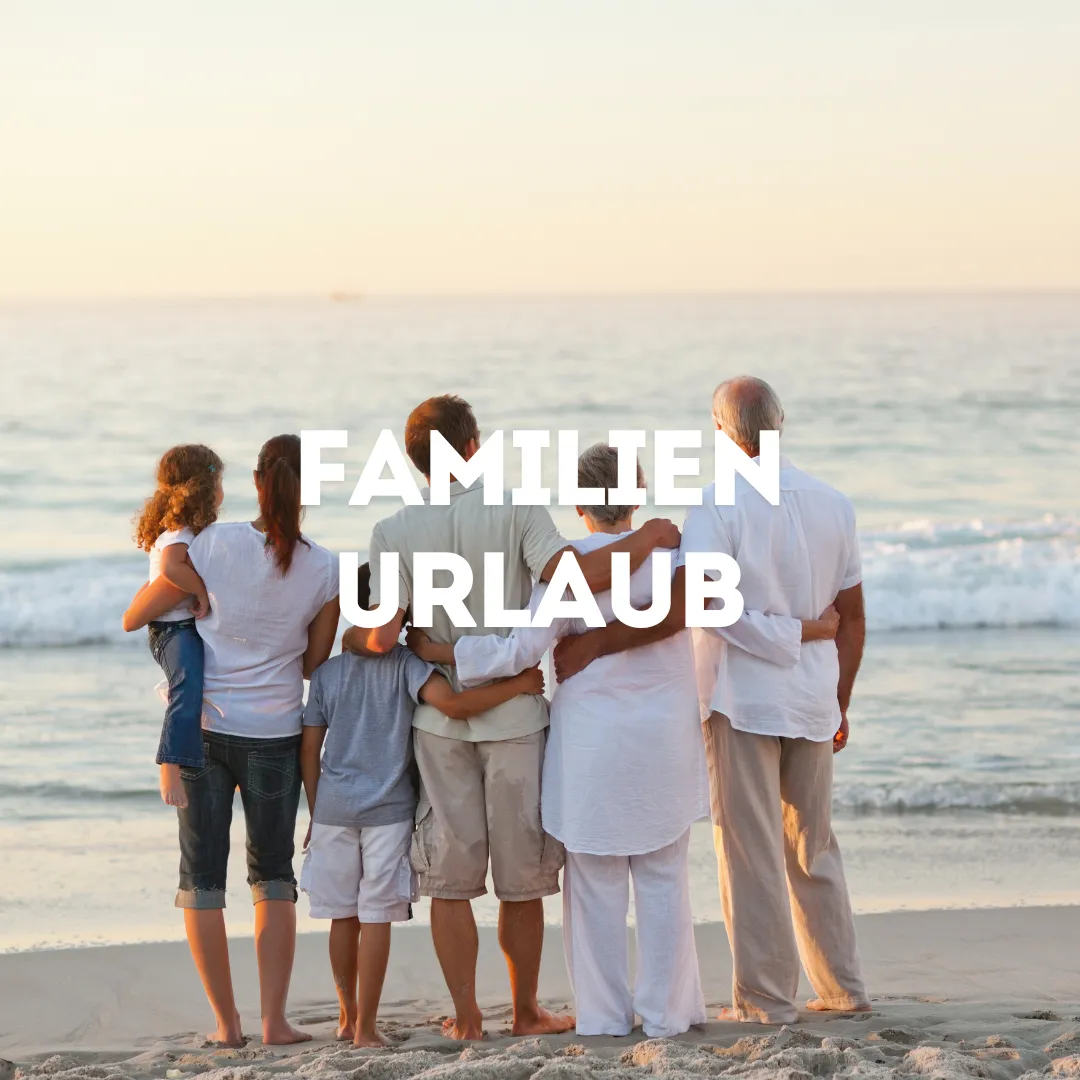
x: 596, y: 565
x: 575, y: 652
x: 377, y: 641
x: 465, y: 704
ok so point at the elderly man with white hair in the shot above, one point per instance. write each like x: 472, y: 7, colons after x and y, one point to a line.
x: 774, y: 707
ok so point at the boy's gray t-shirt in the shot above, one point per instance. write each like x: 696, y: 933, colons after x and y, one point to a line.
x: 366, y: 704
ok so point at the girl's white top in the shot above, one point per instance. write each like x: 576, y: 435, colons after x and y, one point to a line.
x: 257, y: 630
x: 624, y: 769
x: 167, y: 539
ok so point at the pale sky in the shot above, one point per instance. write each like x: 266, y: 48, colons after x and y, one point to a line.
x: 220, y: 147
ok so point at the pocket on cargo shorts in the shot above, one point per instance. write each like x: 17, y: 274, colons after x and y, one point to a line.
x: 408, y: 882
x: 553, y: 856
x: 420, y: 846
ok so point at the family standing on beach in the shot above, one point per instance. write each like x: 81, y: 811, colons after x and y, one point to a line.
x: 431, y: 764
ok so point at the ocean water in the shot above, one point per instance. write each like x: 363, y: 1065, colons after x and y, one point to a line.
x: 950, y: 421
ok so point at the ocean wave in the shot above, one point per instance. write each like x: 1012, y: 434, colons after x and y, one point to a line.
x: 60, y: 792
x: 919, y: 576
x: 1052, y: 799
x: 68, y: 603
x: 928, y: 576
x: 886, y: 798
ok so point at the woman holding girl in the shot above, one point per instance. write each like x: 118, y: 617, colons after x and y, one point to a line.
x: 272, y: 621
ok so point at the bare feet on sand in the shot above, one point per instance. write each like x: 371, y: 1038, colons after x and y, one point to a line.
x: 730, y: 1016
x: 282, y: 1033
x: 227, y: 1035
x: 370, y: 1038
x: 541, y: 1022
x: 346, y: 1031
x: 464, y: 1030
x: 172, y: 786
x: 817, y: 1005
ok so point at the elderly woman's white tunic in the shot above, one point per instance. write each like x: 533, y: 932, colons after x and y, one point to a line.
x: 624, y: 770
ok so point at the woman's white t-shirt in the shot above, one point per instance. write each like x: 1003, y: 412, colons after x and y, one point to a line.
x: 257, y: 630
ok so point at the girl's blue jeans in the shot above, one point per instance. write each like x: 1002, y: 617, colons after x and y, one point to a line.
x: 178, y: 649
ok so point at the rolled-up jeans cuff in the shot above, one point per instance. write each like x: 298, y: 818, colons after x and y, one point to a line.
x: 273, y: 890
x: 201, y: 899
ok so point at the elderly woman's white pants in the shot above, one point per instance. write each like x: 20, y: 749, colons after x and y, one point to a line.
x: 596, y: 900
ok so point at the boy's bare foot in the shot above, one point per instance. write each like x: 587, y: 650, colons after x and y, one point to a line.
x: 541, y: 1022
x: 817, y: 1005
x: 345, y: 1031
x: 282, y: 1033
x: 370, y: 1038
x: 172, y: 786
x: 462, y: 1030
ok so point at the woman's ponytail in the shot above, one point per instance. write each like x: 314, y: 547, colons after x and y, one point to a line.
x: 278, y: 471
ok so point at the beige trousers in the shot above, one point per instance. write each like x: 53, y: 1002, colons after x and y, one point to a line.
x: 782, y: 882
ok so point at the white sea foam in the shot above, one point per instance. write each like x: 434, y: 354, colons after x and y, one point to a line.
x: 919, y: 797
x: 68, y: 603
x: 925, y: 576
x: 919, y: 576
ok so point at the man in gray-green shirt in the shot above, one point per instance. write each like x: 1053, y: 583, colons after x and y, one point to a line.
x: 480, y: 778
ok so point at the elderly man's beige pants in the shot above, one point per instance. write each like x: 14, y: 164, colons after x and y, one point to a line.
x: 772, y: 815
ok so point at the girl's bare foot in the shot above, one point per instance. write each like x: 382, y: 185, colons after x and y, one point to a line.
x: 462, y: 1030
x: 541, y: 1022
x: 172, y: 786
x: 370, y: 1038
x: 282, y: 1033
x: 817, y: 1005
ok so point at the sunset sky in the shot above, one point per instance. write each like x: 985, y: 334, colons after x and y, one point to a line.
x: 234, y: 148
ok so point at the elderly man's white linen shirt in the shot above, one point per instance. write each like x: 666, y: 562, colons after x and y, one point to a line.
x: 793, y: 558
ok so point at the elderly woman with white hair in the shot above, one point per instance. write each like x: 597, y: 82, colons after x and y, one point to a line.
x: 624, y: 778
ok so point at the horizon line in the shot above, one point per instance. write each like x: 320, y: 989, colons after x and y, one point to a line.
x: 355, y: 296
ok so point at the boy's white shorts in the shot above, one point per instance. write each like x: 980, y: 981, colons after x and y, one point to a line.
x: 361, y: 872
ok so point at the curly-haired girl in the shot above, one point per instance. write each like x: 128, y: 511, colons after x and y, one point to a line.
x: 186, y: 501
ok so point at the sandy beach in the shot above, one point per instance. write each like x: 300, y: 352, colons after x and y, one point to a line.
x: 989, y: 994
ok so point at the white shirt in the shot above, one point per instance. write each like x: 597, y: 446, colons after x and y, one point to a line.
x: 167, y: 539
x: 528, y: 539
x: 257, y: 630
x: 794, y: 558
x: 624, y: 768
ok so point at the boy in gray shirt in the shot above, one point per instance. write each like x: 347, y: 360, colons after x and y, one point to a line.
x: 362, y: 799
